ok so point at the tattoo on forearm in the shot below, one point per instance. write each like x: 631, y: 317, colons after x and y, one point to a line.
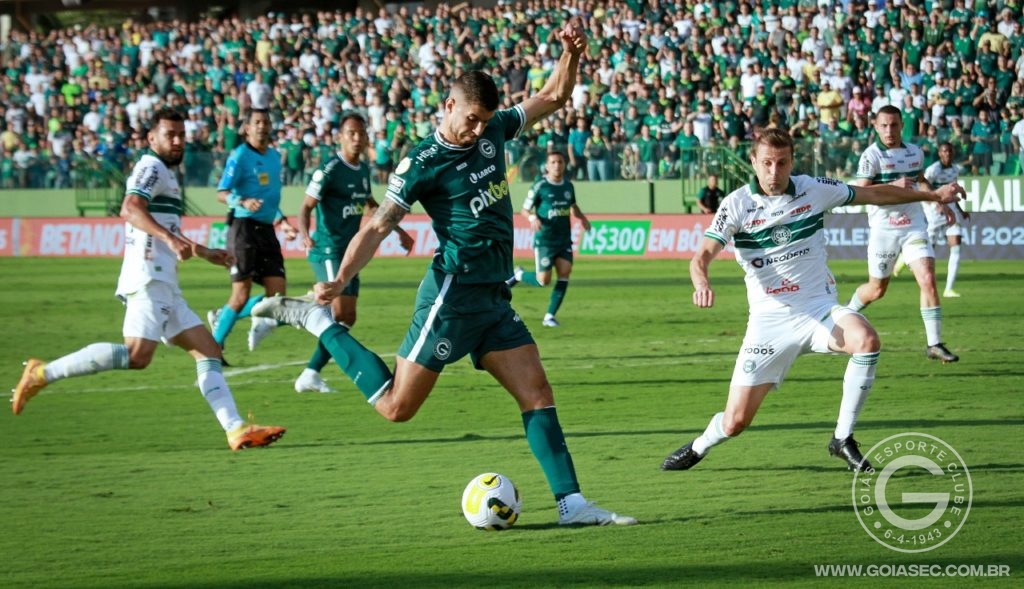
x: 389, y: 214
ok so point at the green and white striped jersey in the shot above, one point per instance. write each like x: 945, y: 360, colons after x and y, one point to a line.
x: 882, y: 165
x: 780, y: 241
x: 146, y: 258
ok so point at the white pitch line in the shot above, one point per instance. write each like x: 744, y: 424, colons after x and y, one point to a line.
x: 260, y: 368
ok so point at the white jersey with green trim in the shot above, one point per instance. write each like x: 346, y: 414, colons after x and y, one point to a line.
x: 146, y: 258
x: 883, y: 165
x: 779, y: 240
x: 938, y: 175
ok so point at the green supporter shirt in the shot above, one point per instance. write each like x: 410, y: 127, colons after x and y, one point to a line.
x: 967, y: 94
x: 934, y: 35
x: 294, y: 154
x: 984, y: 135
x: 986, y: 61
x: 631, y: 126
x: 914, y: 51
x: 647, y: 149
x: 465, y: 192
x: 911, y: 123
x: 880, y: 67
x: 552, y: 204
x: 687, y: 145
x: 341, y: 191
x: 616, y: 102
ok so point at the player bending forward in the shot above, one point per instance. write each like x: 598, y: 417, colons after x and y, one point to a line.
x: 776, y: 226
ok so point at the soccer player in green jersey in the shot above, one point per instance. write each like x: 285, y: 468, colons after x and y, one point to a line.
x: 463, y: 304
x: 340, y: 193
x: 547, y: 207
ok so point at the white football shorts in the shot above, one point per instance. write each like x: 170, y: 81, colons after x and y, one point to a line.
x: 776, y: 337
x: 885, y: 245
x: 937, y: 226
x: 157, y: 312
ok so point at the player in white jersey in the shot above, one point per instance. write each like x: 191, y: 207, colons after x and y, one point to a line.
x: 148, y: 285
x: 899, y: 229
x: 942, y: 172
x: 776, y: 226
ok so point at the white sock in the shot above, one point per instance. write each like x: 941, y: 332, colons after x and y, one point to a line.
x: 855, y: 303
x: 857, y: 383
x: 89, y: 360
x: 954, y: 266
x: 217, y: 394
x: 318, y: 321
x: 264, y: 322
x: 712, y: 436
x: 932, y: 317
x: 570, y: 503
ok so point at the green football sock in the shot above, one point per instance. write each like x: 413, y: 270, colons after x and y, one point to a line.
x: 557, y: 296
x: 529, y: 278
x: 320, y: 356
x: 544, y: 434
x: 319, y: 359
x: 367, y: 371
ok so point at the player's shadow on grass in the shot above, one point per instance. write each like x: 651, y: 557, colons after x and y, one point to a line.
x: 909, y: 425
x: 686, y: 569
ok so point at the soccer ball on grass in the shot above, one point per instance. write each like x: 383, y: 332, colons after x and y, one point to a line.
x: 491, y: 502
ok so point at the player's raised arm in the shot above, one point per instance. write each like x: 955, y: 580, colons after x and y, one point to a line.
x: 889, y: 194
x: 558, y: 88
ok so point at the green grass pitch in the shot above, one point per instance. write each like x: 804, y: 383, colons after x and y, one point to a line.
x: 124, y: 479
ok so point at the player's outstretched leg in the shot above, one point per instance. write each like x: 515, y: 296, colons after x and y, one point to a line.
x: 366, y: 370
x: 91, y: 359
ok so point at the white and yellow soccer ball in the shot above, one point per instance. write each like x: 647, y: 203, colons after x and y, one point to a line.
x: 491, y: 502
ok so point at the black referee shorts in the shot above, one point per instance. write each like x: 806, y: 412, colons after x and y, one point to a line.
x: 256, y: 249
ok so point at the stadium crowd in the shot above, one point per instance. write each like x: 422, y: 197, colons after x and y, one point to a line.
x: 665, y: 85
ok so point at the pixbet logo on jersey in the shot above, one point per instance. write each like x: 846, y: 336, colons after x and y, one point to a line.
x: 555, y: 213
x: 485, y: 197
x: 353, y: 210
